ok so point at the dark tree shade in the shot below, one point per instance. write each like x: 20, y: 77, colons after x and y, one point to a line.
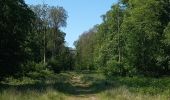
x: 15, y: 23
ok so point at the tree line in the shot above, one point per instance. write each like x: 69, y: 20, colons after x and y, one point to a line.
x: 133, y: 39
x: 31, y: 39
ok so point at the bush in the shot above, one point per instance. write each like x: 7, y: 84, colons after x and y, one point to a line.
x: 55, y: 65
x: 114, y: 68
x: 42, y: 74
x: 32, y: 66
x: 92, y: 67
x: 35, y: 70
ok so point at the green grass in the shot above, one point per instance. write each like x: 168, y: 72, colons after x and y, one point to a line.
x: 138, y: 88
x: 85, y: 86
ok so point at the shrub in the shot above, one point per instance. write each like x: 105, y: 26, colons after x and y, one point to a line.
x: 40, y: 75
x: 114, y: 68
x: 32, y: 66
x: 55, y: 65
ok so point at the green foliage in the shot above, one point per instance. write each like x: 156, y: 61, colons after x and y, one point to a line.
x: 33, y: 66
x: 40, y: 75
x: 85, y: 50
x: 85, y: 85
x: 48, y: 40
x: 167, y: 34
x: 133, y: 39
x: 143, y: 28
x: 15, y: 24
x: 114, y: 68
x: 30, y: 37
x: 55, y: 65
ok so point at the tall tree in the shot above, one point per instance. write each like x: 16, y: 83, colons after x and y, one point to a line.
x: 47, y: 26
x: 143, y: 26
x: 85, y: 50
x: 15, y: 24
x: 57, y: 19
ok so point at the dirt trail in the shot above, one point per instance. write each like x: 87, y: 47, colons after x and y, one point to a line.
x: 82, y: 88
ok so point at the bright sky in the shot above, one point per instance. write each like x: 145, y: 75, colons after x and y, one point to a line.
x: 83, y: 14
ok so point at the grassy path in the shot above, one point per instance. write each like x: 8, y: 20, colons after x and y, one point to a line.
x: 85, y: 86
x: 64, y: 86
x: 81, y: 87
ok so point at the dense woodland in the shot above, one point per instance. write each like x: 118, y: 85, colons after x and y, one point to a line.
x: 31, y: 39
x: 133, y: 39
x: 126, y: 57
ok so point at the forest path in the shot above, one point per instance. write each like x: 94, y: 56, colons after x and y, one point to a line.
x: 84, y: 87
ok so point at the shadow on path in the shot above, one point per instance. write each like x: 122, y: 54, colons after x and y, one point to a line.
x: 78, y: 84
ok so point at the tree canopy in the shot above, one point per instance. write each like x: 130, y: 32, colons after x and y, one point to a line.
x: 133, y: 39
